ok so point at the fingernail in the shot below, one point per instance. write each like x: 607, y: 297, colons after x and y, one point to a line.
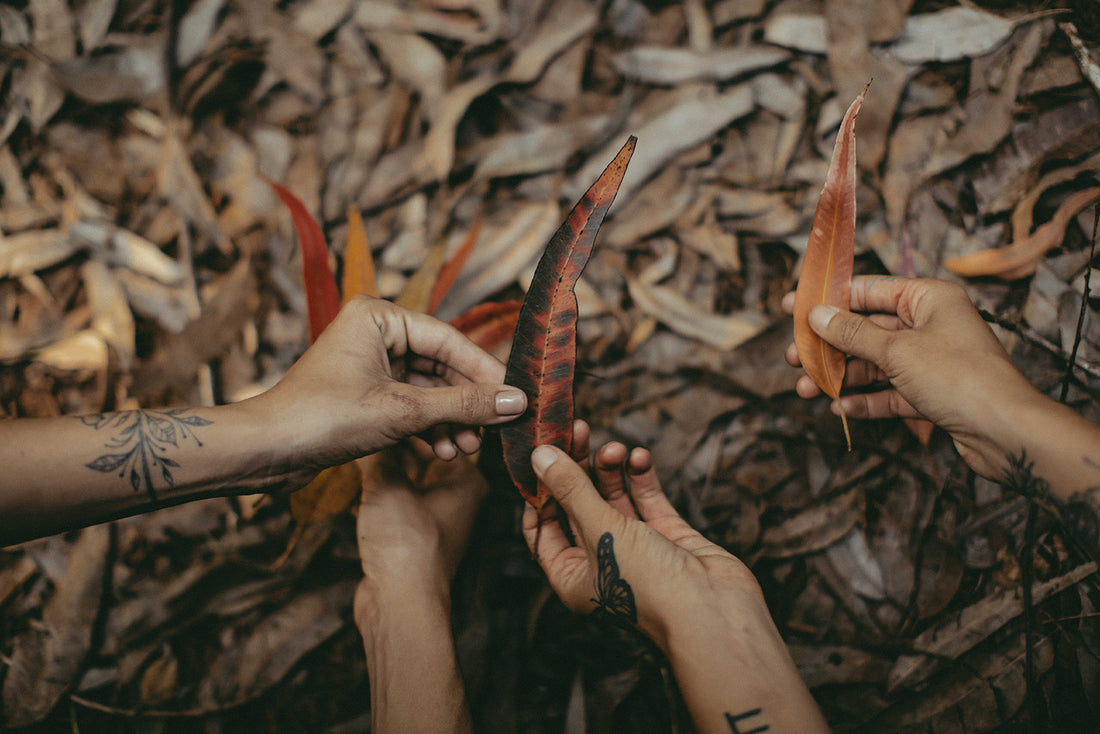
x: 542, y: 457
x: 511, y: 402
x: 820, y: 316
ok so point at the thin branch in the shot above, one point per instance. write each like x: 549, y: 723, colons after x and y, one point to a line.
x: 1084, y: 308
x: 1041, y: 341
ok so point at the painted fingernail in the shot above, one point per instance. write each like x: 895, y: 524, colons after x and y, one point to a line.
x: 542, y: 457
x: 820, y: 316
x: 511, y: 402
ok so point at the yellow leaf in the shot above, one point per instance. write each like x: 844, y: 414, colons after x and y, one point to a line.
x: 359, y: 274
x: 331, y: 492
x: 418, y: 291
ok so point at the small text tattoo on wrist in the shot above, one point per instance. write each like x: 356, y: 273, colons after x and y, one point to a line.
x: 614, y: 597
x: 736, y: 721
x: 138, y: 440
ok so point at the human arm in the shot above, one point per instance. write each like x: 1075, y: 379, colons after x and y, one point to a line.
x: 410, y: 541
x: 935, y: 357
x: 637, y: 561
x: 379, y: 373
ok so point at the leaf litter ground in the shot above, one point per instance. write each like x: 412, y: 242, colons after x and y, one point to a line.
x: 144, y: 262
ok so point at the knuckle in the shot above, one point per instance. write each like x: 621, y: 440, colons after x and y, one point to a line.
x: 474, y: 403
x: 361, y: 302
x: 851, y: 327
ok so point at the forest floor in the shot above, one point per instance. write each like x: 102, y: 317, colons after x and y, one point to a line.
x: 144, y: 262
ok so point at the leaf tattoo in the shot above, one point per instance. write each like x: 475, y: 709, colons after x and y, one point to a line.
x: 1080, y: 514
x: 614, y: 597
x: 139, y: 439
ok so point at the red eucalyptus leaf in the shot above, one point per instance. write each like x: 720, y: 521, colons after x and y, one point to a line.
x: 489, y: 325
x: 544, y: 349
x: 450, y: 271
x: 322, y: 297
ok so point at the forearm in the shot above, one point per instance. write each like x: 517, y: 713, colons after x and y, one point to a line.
x: 63, y: 473
x: 414, y: 680
x: 737, y: 676
x: 1052, y: 453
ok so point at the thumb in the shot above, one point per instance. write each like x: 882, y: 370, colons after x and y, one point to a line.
x: 570, y: 486
x: 471, y: 404
x: 849, y: 332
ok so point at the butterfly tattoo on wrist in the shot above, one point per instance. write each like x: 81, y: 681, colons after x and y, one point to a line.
x: 614, y: 597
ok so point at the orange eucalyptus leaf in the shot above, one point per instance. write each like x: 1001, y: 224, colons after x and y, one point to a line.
x: 449, y: 272
x: 827, y: 267
x: 322, y: 297
x: 1022, y: 257
x: 359, y: 277
x: 418, y: 291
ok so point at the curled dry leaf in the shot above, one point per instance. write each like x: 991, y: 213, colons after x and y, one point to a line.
x: 1020, y: 259
x: 827, y: 268
x: 544, y: 349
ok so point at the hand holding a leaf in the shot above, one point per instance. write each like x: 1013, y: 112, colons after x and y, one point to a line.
x: 637, y: 562
x: 380, y: 373
x: 931, y: 355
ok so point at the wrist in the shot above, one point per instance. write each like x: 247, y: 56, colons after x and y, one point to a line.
x: 284, y: 446
x: 995, y: 423
x: 1045, y: 446
x: 382, y: 602
x: 732, y: 662
x: 711, y: 608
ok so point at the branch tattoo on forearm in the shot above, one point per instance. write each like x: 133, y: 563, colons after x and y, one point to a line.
x: 614, y: 597
x: 138, y: 442
x: 737, y: 720
x: 1080, y: 515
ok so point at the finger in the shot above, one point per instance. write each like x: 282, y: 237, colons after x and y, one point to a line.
x: 582, y: 440
x: 910, y: 298
x: 610, y: 481
x: 887, y: 321
x: 445, y: 448
x: 551, y: 539
x: 878, y: 293
x: 791, y: 355
x: 569, y: 485
x: 860, y: 372
x: 806, y: 387
x: 882, y: 404
x: 467, y: 440
x: 645, y: 488
x: 851, y: 333
x: 408, y: 332
x: 415, y: 409
x: 788, y: 303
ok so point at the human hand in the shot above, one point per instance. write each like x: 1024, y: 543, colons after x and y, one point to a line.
x: 414, y: 520
x: 380, y: 373
x: 636, y: 559
x: 940, y: 359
